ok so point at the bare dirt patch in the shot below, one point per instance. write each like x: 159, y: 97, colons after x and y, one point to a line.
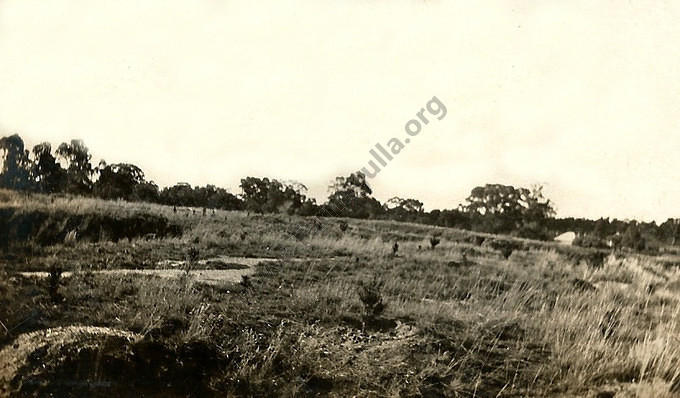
x: 231, y: 270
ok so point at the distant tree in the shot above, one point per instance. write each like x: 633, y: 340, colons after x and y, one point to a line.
x: 46, y: 172
x: 351, y: 197
x: 255, y: 193
x: 669, y: 231
x: 146, y: 191
x: 118, y: 180
x: 538, y: 207
x: 600, y: 230
x: 218, y: 198
x: 448, y: 218
x: 263, y: 195
x: 503, y: 208
x: 295, y: 198
x: 355, y: 183
x: 407, y: 205
x: 16, y: 165
x: 79, y: 171
x: 404, y: 209
x: 309, y: 208
x: 633, y: 239
x: 496, y: 199
x: 180, y: 194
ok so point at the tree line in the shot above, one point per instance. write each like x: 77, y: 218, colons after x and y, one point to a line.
x: 492, y: 208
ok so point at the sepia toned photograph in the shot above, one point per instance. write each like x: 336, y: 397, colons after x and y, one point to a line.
x: 350, y: 199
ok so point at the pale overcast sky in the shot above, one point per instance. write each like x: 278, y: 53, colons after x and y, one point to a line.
x: 582, y: 96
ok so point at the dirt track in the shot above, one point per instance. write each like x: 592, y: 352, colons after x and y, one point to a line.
x: 207, y: 276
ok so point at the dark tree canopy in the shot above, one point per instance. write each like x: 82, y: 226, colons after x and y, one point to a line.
x: 46, y: 172
x: 504, y: 208
x: 15, y: 163
x: 210, y: 196
x: 263, y: 195
x: 79, y: 170
x: 118, y: 181
x: 351, y: 197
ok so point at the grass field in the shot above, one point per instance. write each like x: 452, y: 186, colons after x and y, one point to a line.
x: 338, y: 314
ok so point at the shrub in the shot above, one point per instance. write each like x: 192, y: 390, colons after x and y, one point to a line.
x: 245, y: 281
x: 53, y: 282
x: 370, y: 294
x: 434, y: 241
x: 505, y: 247
x: 590, y: 241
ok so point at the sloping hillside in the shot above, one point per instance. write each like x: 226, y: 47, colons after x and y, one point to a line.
x: 352, y: 308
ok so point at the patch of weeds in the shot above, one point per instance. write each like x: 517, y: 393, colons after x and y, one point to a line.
x: 246, y: 282
x: 53, y: 283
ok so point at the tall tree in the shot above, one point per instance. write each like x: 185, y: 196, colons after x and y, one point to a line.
x: 263, y: 195
x: 146, y: 191
x: 118, y: 181
x: 46, y: 172
x: 351, y: 197
x: 15, y: 163
x: 504, y: 208
x: 79, y: 171
x: 404, y: 209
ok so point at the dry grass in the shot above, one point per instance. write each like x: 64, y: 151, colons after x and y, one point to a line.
x: 536, y: 324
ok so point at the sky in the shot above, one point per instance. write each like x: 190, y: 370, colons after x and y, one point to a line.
x: 580, y: 96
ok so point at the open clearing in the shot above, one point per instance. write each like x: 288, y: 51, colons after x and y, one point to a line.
x: 275, y: 305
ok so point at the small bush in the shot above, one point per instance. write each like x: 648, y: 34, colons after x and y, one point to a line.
x: 245, y: 281
x: 192, y: 258
x: 434, y: 241
x: 370, y: 294
x: 590, y: 241
x: 53, y: 282
x: 193, y: 254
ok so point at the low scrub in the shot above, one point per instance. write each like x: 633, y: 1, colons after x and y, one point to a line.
x: 44, y: 227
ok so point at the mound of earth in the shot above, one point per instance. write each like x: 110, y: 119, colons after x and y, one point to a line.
x: 99, y: 362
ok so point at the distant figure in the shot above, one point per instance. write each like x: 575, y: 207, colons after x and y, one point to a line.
x: 395, y: 248
x: 174, y: 209
x: 204, y: 212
